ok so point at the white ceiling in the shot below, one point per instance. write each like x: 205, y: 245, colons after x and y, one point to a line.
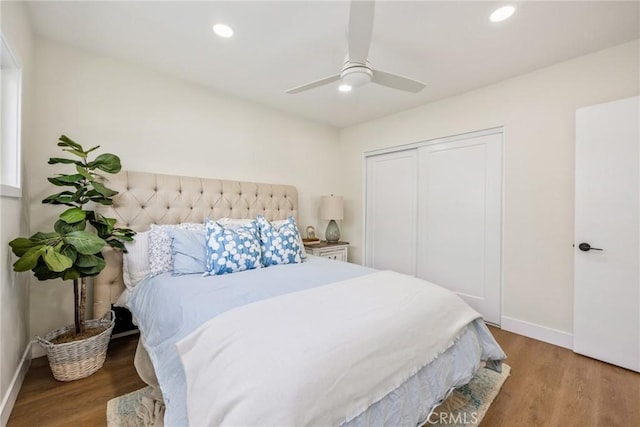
x: 449, y: 45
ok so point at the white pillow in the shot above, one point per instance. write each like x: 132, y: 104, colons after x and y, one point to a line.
x: 135, y: 262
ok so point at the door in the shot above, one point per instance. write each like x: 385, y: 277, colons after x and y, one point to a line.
x: 390, y: 221
x: 460, y: 219
x: 607, y: 195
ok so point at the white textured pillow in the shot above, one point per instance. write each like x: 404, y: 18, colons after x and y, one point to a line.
x: 160, y: 254
x: 135, y: 262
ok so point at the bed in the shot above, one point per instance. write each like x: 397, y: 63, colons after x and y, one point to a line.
x: 288, y: 344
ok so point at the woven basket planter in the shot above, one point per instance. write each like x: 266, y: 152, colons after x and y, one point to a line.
x: 78, y: 359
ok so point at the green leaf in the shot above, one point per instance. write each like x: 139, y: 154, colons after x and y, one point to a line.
x: 100, y: 188
x: 85, y: 243
x: 107, y: 162
x: 70, y: 252
x: 78, y: 194
x: 115, y: 243
x: 30, y: 259
x: 90, y: 271
x: 82, y: 171
x: 62, y: 180
x: 92, y: 149
x: 63, y: 228
x: 21, y: 245
x: 55, y: 260
x: 56, y: 160
x: 62, y: 198
x: 102, y: 230
x: 71, y: 274
x: 86, y: 261
x: 73, y: 215
x: 45, y: 238
x: 102, y: 200
x: 65, y: 141
x: 80, y: 154
x: 42, y: 272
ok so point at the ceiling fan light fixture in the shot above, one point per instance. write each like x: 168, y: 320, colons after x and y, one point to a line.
x: 356, y: 76
x: 502, y: 13
x: 223, y: 30
x: 344, y: 88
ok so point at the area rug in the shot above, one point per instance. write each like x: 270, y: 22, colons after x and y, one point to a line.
x: 465, y: 407
x: 121, y: 410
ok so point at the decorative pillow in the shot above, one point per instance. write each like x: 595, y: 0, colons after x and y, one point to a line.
x: 279, y: 245
x: 135, y: 262
x: 160, y: 256
x: 280, y: 222
x: 231, y: 250
x: 234, y: 223
x: 189, y: 251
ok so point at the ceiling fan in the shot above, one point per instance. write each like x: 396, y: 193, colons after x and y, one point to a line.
x: 356, y: 71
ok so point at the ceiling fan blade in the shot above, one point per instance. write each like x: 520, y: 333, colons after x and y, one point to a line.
x: 397, y: 82
x: 360, y: 29
x: 314, y: 84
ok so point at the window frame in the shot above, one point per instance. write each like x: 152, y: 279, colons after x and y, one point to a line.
x: 11, y: 187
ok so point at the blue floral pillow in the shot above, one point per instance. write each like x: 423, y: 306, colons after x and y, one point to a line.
x: 279, y: 245
x: 231, y: 250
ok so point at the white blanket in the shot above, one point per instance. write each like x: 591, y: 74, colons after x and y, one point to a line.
x: 319, y: 356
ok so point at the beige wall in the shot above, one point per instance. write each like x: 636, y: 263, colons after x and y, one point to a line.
x: 537, y: 111
x: 160, y: 124
x: 14, y: 293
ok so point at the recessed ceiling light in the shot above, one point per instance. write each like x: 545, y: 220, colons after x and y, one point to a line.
x: 502, y: 13
x: 344, y: 88
x: 223, y: 30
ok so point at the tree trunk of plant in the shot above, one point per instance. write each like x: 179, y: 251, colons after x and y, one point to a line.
x: 83, y: 302
x: 80, y: 303
x: 76, y: 306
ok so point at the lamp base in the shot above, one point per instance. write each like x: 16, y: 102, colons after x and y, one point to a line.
x: 333, y: 232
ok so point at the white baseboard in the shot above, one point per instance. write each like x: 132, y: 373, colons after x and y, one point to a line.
x: 538, y: 332
x: 9, y: 399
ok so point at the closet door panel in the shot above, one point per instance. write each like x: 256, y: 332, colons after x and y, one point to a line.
x: 391, y: 211
x: 459, y: 220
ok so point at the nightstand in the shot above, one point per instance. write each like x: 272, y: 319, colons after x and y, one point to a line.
x: 336, y: 251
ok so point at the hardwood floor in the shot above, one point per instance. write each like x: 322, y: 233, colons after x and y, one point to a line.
x: 553, y: 386
x: 549, y: 386
x: 43, y: 401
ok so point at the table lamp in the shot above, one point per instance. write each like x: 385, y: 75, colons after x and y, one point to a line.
x: 332, y: 209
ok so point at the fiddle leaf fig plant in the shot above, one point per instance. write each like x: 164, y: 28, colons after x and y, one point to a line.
x: 73, y: 251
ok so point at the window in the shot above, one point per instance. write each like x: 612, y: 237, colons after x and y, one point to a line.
x: 10, y: 97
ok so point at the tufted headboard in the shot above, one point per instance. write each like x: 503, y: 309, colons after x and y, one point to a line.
x: 147, y: 198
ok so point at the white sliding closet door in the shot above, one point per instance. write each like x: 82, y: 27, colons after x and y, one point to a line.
x: 459, y: 219
x: 391, y: 198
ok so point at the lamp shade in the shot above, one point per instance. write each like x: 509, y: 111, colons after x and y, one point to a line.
x: 331, y: 207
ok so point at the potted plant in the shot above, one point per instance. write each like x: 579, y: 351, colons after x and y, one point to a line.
x: 73, y: 251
